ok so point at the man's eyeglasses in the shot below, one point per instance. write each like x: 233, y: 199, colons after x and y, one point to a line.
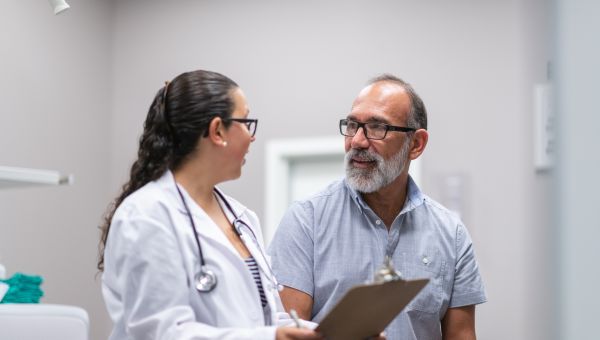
x: 250, y: 123
x: 372, y: 130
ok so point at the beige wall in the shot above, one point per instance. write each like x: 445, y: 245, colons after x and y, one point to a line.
x: 54, y: 90
x: 300, y: 63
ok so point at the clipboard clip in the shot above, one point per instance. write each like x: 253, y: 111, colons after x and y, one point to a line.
x: 386, y: 272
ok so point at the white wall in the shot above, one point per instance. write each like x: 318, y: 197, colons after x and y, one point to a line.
x: 54, y: 90
x: 301, y: 64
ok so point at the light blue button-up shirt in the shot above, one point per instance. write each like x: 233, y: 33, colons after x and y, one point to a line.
x: 334, y: 241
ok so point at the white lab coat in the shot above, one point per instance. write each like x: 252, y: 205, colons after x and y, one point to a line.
x: 151, y: 259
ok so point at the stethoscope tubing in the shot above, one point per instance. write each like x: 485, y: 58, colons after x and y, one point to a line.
x: 236, y: 221
x: 196, y: 237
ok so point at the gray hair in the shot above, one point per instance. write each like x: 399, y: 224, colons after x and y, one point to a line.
x: 417, y: 117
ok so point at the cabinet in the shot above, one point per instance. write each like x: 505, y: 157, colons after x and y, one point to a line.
x: 13, y: 177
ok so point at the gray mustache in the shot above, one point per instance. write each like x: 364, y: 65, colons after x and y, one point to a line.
x: 362, y: 155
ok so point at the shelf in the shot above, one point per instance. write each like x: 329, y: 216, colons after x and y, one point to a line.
x: 12, y: 177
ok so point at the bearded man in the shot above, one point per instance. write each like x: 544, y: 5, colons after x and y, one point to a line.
x: 341, y: 236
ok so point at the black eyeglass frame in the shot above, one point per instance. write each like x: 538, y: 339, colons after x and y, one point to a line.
x: 248, y: 122
x: 388, y: 127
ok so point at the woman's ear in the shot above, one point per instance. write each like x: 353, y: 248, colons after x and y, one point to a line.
x: 216, y: 132
x: 418, y: 143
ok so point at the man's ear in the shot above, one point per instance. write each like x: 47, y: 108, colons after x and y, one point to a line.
x: 216, y: 131
x: 418, y: 144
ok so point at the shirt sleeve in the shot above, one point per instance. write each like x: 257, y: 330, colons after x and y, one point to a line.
x: 149, y: 289
x: 292, y: 249
x: 468, y: 286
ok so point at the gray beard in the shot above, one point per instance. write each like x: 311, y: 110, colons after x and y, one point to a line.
x: 372, y: 179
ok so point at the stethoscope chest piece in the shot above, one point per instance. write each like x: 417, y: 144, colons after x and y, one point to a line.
x: 205, y: 281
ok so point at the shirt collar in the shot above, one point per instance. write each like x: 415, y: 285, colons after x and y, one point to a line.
x: 356, y: 197
x: 414, y: 196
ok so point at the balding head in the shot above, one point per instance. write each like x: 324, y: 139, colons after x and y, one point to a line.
x: 417, y: 115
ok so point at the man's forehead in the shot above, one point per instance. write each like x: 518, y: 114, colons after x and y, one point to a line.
x: 382, y: 97
x: 382, y: 88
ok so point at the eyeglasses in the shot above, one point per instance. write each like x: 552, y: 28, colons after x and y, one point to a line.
x: 372, y: 130
x: 250, y: 123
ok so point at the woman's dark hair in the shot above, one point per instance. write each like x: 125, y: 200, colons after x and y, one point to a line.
x: 178, y: 117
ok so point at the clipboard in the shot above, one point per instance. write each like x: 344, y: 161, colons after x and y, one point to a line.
x: 366, y: 310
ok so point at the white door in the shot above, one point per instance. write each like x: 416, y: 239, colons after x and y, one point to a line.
x: 310, y: 174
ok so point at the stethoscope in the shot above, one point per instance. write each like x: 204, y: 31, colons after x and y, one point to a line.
x: 206, y: 280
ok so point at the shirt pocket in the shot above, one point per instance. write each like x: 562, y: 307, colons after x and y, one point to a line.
x: 425, y: 265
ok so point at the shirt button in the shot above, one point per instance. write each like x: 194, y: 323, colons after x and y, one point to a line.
x: 425, y: 260
x: 378, y: 222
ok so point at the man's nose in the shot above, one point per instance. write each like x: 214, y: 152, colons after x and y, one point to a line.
x: 360, y: 140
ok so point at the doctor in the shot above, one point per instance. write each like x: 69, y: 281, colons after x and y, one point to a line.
x: 182, y: 260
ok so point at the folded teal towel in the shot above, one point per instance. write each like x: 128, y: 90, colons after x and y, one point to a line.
x: 23, y: 288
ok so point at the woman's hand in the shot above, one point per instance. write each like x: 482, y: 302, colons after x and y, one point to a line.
x: 291, y: 333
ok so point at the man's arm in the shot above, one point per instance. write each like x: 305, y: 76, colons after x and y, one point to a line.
x: 459, y: 323
x: 298, y: 300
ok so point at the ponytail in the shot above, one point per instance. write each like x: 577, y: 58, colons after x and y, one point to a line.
x: 154, y: 157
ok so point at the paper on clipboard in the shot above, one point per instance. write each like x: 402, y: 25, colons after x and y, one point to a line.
x: 366, y: 310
